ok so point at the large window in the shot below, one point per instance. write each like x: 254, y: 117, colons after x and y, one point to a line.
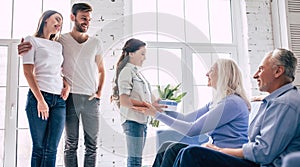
x: 21, y: 17
x: 190, y: 21
x: 185, y: 37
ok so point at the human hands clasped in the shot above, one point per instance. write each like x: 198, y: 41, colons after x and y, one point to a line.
x: 147, y: 109
x: 159, y: 107
x: 211, y: 146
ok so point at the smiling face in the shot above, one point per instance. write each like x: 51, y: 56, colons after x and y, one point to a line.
x: 265, y: 75
x: 54, y: 23
x: 82, y: 21
x: 212, y: 76
x: 137, y: 58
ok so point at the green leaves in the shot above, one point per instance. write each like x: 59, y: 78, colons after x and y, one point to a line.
x: 170, y: 93
x: 154, y: 122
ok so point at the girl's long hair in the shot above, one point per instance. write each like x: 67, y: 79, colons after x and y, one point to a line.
x: 130, y: 46
x: 230, y: 81
x: 40, y: 28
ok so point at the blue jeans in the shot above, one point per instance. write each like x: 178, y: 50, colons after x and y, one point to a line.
x: 167, y: 153
x: 79, y: 106
x: 45, y: 134
x: 200, y: 156
x: 135, y: 139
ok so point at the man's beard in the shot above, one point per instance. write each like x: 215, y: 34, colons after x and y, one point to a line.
x: 78, y: 27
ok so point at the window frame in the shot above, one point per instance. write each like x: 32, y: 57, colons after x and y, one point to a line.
x: 238, y: 48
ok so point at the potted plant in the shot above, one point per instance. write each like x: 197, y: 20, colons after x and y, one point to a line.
x: 170, y: 97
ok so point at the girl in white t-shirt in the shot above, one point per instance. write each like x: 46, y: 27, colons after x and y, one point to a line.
x: 48, y: 91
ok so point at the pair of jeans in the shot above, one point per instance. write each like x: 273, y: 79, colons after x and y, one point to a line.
x: 81, y: 108
x: 135, y: 139
x: 200, y: 156
x: 45, y: 134
x: 167, y: 154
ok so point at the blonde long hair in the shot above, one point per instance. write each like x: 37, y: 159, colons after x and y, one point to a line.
x: 230, y: 81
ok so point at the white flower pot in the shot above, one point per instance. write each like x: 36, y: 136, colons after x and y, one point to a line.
x: 171, y: 105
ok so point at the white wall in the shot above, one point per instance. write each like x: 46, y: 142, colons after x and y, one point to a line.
x: 260, y: 33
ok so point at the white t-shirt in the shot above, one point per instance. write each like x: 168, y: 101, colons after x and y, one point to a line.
x: 47, y: 58
x: 80, y: 68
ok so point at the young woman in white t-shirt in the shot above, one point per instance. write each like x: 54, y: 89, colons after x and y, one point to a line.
x: 48, y: 91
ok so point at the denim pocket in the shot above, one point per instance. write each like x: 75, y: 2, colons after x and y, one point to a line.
x: 31, y: 105
x: 97, y: 100
x: 31, y: 100
x: 47, y: 97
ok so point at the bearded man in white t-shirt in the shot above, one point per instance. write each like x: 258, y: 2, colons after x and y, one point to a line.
x: 83, y: 69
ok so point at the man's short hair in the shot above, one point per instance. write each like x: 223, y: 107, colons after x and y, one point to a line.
x: 81, y: 7
x: 287, y: 59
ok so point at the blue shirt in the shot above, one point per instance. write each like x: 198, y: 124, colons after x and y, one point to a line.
x: 227, y: 122
x: 275, y: 131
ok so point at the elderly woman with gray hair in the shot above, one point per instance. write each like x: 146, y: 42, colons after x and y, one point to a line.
x: 225, y: 118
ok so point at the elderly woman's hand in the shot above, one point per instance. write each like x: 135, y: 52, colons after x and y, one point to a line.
x: 159, y: 107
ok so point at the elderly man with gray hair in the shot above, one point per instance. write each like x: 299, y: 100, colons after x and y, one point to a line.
x: 275, y: 130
